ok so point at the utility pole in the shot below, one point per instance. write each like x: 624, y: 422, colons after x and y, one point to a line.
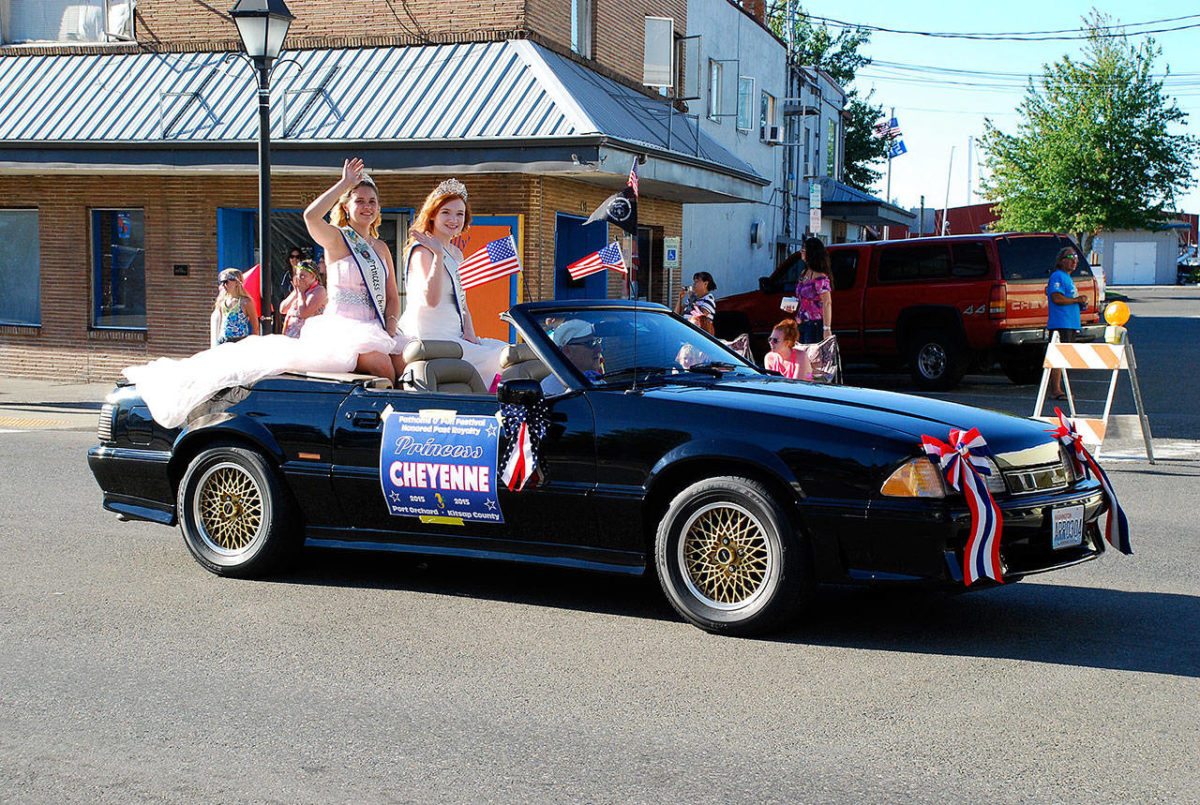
x: 887, y: 196
x: 921, y: 223
x: 946, y: 208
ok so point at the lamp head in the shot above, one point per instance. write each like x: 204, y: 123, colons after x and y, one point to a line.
x: 262, y: 26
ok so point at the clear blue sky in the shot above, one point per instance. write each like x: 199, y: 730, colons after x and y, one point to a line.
x: 935, y: 114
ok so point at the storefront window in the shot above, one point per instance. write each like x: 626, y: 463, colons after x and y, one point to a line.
x: 118, y: 269
x: 20, y: 268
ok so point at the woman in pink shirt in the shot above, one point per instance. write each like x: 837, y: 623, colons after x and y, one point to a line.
x: 784, y: 356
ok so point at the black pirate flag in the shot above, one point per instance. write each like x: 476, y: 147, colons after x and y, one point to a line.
x: 620, y: 209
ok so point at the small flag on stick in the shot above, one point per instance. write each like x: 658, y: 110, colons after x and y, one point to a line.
x: 608, y: 257
x: 495, y: 260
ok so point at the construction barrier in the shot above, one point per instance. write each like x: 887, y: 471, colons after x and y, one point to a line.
x: 1114, y: 358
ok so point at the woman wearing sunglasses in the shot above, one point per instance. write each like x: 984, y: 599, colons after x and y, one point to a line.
x: 233, y: 316
x: 785, y: 357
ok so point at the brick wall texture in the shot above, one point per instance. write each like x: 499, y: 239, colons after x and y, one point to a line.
x: 181, y: 227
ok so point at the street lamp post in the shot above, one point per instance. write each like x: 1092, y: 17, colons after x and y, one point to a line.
x: 262, y: 26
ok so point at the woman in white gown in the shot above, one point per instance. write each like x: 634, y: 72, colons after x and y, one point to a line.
x: 349, y: 335
x: 437, y: 306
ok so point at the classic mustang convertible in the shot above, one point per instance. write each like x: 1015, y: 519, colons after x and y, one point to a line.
x: 630, y: 439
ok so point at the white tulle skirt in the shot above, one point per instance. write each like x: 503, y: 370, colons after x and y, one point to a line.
x: 172, y: 388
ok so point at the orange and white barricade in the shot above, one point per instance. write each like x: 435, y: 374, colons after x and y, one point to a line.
x: 1110, y: 357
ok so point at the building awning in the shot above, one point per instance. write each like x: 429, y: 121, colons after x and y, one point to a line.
x: 845, y: 203
x: 511, y: 106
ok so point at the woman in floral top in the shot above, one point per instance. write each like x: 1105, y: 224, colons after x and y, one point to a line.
x: 814, y: 312
x: 233, y: 313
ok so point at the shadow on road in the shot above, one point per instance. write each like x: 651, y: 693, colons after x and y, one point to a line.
x: 1038, y: 622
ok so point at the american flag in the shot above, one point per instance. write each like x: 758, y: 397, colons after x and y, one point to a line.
x: 497, y: 259
x: 886, y: 127
x: 633, y: 177
x: 608, y: 257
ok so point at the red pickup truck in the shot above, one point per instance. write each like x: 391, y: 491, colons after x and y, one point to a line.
x: 941, y: 304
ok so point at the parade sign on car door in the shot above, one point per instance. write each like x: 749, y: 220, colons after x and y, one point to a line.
x: 440, y: 467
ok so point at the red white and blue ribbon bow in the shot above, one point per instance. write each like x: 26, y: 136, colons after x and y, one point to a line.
x: 1116, y: 525
x: 523, y: 432
x: 964, y: 462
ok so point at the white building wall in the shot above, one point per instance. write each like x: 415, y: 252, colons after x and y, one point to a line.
x: 717, y: 237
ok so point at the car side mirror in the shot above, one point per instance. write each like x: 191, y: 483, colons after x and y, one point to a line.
x: 519, y: 391
x: 764, y: 284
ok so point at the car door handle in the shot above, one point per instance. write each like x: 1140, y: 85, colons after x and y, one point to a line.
x: 365, y: 419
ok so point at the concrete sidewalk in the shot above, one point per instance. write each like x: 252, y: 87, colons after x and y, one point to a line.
x: 27, y: 404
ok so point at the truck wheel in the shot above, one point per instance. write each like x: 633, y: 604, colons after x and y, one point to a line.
x: 936, y: 360
x: 236, y: 517
x: 729, y: 558
x: 1022, y: 366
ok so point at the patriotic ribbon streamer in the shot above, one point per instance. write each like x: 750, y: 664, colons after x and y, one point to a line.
x: 964, y: 462
x: 524, y: 429
x: 1116, y: 525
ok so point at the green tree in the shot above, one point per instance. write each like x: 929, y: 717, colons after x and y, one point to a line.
x: 1094, y: 149
x: 839, y: 55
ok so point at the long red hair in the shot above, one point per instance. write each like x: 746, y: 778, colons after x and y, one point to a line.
x: 429, y: 210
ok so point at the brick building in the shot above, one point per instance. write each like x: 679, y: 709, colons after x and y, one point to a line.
x: 128, y: 160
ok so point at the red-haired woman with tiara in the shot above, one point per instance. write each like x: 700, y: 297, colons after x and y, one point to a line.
x: 437, y: 306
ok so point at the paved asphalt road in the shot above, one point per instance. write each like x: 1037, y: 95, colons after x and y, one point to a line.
x: 131, y: 675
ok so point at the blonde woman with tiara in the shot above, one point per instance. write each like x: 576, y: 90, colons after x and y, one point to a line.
x: 363, y: 305
x: 357, y: 331
x: 437, y: 306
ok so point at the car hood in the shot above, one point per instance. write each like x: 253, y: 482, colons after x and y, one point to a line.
x: 1016, y: 441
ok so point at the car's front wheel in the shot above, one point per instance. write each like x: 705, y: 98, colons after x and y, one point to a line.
x: 730, y: 559
x: 233, y: 512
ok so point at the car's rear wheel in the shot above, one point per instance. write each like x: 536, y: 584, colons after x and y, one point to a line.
x: 730, y: 559
x: 234, y: 512
x: 936, y: 360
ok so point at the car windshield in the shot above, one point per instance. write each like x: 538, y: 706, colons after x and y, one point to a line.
x: 622, y: 347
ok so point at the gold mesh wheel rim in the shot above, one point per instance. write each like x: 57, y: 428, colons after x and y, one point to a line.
x: 228, y: 509
x: 725, y: 556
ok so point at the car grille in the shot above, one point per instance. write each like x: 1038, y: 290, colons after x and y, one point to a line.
x: 1042, y: 478
x: 104, y: 429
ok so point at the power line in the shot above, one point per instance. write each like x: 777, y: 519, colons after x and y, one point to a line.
x: 1071, y: 34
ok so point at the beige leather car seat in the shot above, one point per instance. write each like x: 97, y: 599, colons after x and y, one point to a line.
x: 519, y: 361
x: 439, y: 366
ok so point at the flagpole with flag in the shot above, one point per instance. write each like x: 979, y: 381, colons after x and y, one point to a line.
x: 621, y: 208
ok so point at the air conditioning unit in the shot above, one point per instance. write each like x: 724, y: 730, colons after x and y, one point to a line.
x: 771, y: 135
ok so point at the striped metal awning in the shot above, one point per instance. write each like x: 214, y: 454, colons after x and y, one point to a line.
x: 510, y: 105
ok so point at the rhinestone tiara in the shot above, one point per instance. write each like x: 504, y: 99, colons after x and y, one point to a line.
x: 451, y: 187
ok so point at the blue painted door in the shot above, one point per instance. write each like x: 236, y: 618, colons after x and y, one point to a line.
x: 235, y: 238
x: 573, y: 240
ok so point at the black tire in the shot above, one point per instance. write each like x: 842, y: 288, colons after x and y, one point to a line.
x: 236, y: 517
x: 1022, y: 366
x: 701, y: 549
x: 936, y: 360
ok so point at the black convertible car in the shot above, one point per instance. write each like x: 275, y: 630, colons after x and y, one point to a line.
x: 659, y: 448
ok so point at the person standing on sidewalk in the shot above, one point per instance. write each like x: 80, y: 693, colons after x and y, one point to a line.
x: 814, y: 312
x: 1064, y: 309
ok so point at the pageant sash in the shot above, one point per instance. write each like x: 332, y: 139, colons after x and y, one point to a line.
x: 372, y: 269
x: 460, y: 296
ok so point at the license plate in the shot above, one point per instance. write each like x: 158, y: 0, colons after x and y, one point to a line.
x: 1067, y: 527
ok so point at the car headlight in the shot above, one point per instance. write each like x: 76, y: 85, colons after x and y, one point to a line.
x: 915, y: 478
x: 1073, y: 472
